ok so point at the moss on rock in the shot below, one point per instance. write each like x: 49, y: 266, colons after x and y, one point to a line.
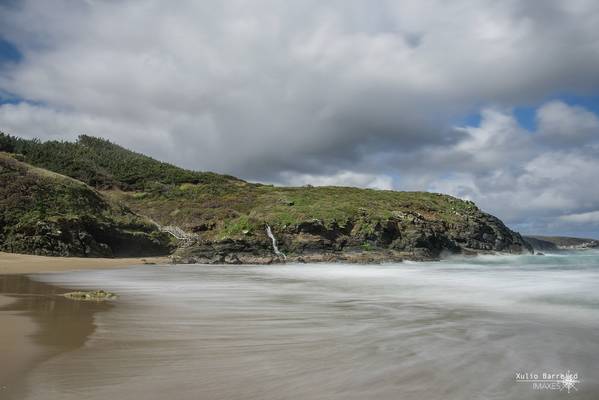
x: 94, y: 295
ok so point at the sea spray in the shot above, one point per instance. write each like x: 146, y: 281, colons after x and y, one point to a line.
x: 274, y: 243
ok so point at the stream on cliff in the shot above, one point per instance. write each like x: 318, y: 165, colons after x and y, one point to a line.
x: 458, y: 329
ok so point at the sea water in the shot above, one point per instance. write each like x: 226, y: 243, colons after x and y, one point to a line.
x: 464, y: 328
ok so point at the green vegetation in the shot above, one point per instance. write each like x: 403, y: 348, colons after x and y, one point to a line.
x: 114, y: 198
x: 367, y: 246
x: 42, y: 212
x: 102, y: 164
x: 236, y: 208
x: 221, y: 206
x: 237, y: 227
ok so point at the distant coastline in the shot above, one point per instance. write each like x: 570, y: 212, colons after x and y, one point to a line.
x: 557, y: 243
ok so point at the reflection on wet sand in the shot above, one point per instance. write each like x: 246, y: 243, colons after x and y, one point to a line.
x: 36, y: 324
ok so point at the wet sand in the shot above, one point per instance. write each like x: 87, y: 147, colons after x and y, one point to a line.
x: 26, y: 264
x: 448, y: 330
x: 36, y: 324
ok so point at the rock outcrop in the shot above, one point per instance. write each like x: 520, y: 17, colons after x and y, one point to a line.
x: 404, y: 236
x: 94, y: 295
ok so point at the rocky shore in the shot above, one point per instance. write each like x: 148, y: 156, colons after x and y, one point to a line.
x: 405, y: 236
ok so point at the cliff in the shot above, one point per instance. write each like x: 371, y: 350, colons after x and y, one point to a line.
x: 396, y: 226
x: 222, y: 219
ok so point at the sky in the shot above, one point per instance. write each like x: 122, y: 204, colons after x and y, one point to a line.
x: 491, y: 101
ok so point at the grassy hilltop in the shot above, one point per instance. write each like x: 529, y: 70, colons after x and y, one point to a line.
x: 223, y: 209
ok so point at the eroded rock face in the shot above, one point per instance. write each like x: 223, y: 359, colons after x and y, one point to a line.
x: 403, y: 236
x: 84, y: 237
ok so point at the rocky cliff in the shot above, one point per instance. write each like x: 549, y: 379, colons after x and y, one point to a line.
x: 115, y: 202
x: 402, y: 236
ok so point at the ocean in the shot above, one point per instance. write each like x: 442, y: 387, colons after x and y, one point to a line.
x: 487, y: 327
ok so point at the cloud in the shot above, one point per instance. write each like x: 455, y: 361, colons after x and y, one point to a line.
x: 566, y: 125
x: 344, y: 178
x: 35, y: 121
x: 590, y: 217
x: 340, y: 91
x: 527, y: 178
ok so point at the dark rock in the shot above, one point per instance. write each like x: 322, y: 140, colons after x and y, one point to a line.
x: 203, y: 227
x: 402, y: 236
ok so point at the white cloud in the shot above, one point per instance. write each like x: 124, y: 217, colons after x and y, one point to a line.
x: 42, y: 122
x: 343, y: 178
x: 338, y: 91
x: 584, y: 218
x: 280, y: 86
x: 519, y: 175
x: 567, y: 125
x: 497, y: 139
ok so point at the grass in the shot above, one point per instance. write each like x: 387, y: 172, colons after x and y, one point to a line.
x: 240, y: 209
x: 229, y: 206
x: 103, y: 164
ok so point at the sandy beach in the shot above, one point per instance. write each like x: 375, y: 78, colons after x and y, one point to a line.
x: 26, y: 264
x: 310, y: 331
x: 17, y: 349
x: 31, y: 312
x: 37, y: 323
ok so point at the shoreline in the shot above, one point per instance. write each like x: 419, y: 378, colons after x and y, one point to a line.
x: 23, y: 264
x: 12, y: 263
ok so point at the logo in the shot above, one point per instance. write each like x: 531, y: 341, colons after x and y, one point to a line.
x: 549, y: 380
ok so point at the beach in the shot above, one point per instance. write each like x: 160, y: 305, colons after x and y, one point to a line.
x: 457, y: 329
x: 11, y: 263
x: 36, y: 322
x: 18, y: 351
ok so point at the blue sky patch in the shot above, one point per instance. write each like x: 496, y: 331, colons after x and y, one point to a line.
x: 526, y: 114
x: 8, y: 52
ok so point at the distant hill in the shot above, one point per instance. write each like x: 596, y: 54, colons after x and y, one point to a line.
x: 222, y: 219
x: 540, y: 244
x: 548, y: 243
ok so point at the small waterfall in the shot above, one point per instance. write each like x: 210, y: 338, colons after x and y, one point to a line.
x: 274, y: 243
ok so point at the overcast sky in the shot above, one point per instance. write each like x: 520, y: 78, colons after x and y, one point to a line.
x: 493, y: 101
